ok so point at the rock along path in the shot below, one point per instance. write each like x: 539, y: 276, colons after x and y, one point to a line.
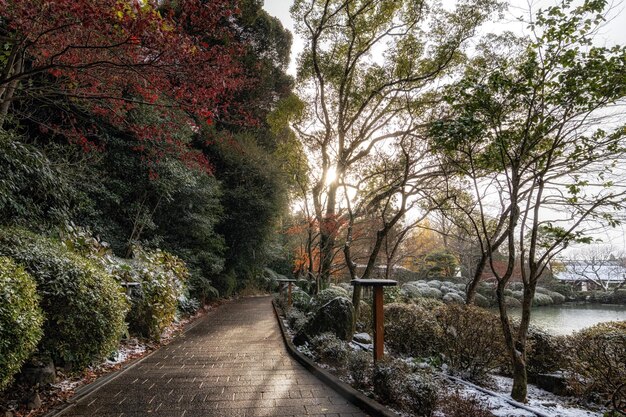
x: 232, y: 363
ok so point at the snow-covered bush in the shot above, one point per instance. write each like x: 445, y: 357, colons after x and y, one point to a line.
x: 329, y: 349
x: 472, y: 341
x: 431, y: 293
x: 481, y: 301
x: 517, y: 294
x: 153, y: 304
x: 388, y: 379
x: 546, y: 353
x: 411, y: 330
x: 360, y: 367
x: 597, y: 363
x: 453, y: 298
x: 429, y: 304
x: 512, y: 302
x: 542, y: 300
x: 296, y: 319
x: 396, y: 383
x: 457, y: 405
x: 301, y: 300
x: 420, y: 397
x: 328, y: 294
x: 557, y: 298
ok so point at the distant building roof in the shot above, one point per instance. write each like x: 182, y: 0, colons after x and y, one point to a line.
x: 576, y: 270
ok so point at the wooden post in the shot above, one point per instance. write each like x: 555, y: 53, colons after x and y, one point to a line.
x: 282, y: 283
x: 377, y: 311
x: 290, y: 294
x: 379, y: 324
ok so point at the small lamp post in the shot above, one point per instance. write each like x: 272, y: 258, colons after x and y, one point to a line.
x: 377, y: 310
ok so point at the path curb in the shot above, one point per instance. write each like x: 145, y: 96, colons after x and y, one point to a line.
x: 357, y: 398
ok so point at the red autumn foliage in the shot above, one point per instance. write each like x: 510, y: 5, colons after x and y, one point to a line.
x: 105, y: 58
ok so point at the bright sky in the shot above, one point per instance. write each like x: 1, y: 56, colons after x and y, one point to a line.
x: 612, y: 33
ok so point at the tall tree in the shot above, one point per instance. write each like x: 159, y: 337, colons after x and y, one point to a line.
x: 532, y: 130
x: 364, y: 75
x: 65, y: 62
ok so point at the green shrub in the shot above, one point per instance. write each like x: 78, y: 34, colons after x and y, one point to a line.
x: 392, y: 295
x: 429, y: 304
x: 301, y: 300
x: 413, y: 291
x: 420, y: 397
x: 557, y: 298
x: 364, y: 319
x: 296, y: 319
x: 329, y: 349
x: 20, y: 319
x: 360, y: 367
x: 545, y: 352
x: 225, y: 283
x: 268, y: 278
x: 328, y: 294
x: 605, y: 297
x: 456, y: 405
x: 83, y: 305
x: 396, y: 383
x: 388, y: 379
x: 187, y: 306
x: 481, y: 301
x: 153, y: 305
x: 453, y: 298
x: 201, y: 288
x: 542, y: 300
x: 512, y: 302
x: 517, y: 294
x: 411, y: 330
x: 34, y: 192
x: 597, y: 364
x: 472, y: 341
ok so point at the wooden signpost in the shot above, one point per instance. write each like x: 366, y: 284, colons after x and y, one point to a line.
x: 377, y: 309
x: 289, y: 283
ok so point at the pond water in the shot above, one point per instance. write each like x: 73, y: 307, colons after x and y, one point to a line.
x: 567, y: 318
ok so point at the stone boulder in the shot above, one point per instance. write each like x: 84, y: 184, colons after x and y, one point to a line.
x: 336, y: 317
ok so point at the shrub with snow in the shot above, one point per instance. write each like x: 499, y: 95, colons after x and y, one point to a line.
x: 472, y: 341
x: 411, y: 330
x: 395, y: 382
x: 329, y: 349
x: 360, y: 367
x: 597, y: 364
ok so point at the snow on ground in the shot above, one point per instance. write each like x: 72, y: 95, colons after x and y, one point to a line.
x: 129, y: 350
x: 542, y: 401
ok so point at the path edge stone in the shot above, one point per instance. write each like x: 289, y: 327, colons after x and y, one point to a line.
x: 374, y: 408
x: 94, y: 386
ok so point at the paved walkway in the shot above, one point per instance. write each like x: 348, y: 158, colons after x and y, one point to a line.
x: 233, y: 363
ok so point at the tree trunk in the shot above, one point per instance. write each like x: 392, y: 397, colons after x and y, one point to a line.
x: 473, y: 284
x: 328, y: 230
x: 6, y: 95
x: 515, y: 346
x: 520, y: 379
